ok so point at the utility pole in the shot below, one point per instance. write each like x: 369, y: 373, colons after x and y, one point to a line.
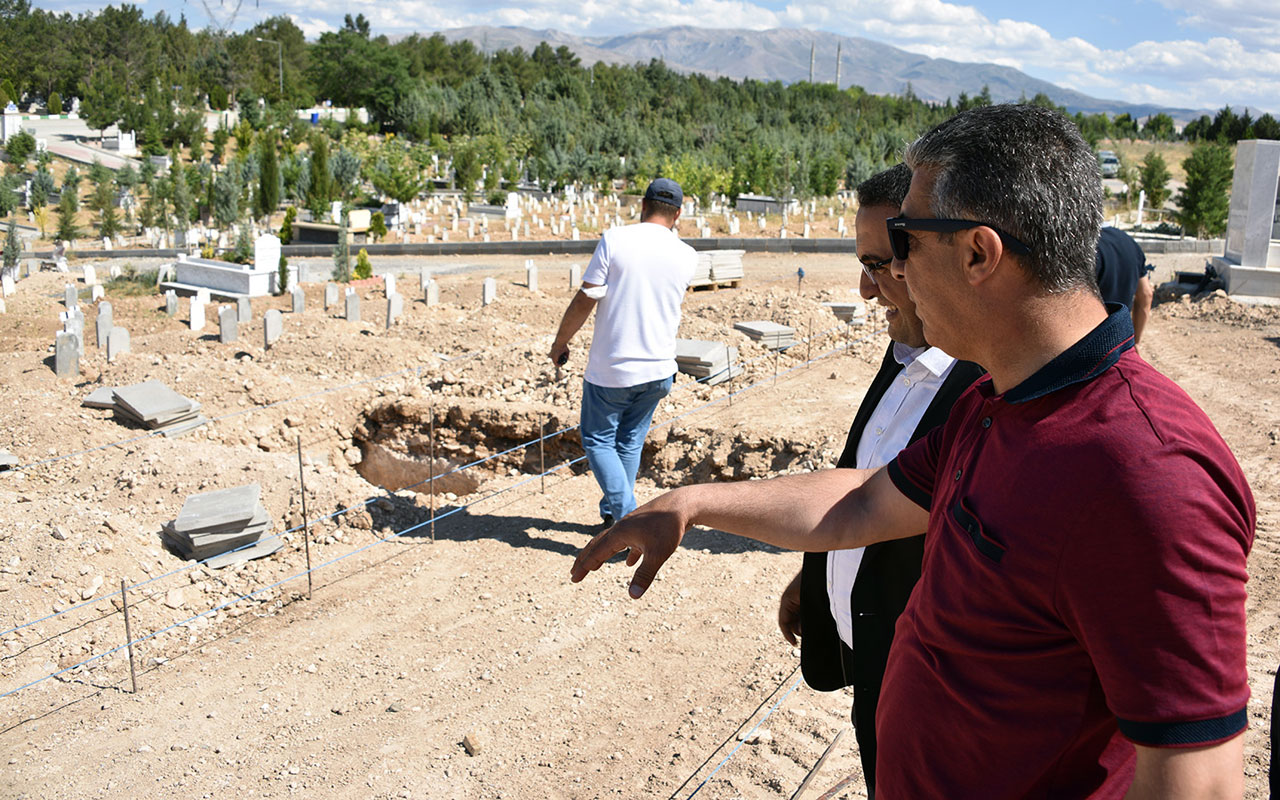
x: 838, y: 45
x: 811, y: 55
x: 279, y: 60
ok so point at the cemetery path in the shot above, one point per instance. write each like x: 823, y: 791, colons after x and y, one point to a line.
x: 411, y: 649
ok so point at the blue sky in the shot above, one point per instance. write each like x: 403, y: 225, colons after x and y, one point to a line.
x: 1182, y: 53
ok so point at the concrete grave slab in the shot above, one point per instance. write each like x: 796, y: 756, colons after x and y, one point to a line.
x: 151, y: 401
x: 218, y: 509
x: 102, y: 397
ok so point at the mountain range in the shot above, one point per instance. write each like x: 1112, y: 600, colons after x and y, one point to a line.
x: 783, y: 54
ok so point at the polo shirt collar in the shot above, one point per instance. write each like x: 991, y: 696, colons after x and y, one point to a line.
x: 1082, y: 361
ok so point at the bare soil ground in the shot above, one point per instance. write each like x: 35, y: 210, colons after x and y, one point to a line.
x: 410, y: 645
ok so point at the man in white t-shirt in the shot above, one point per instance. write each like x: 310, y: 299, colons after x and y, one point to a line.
x: 637, y: 278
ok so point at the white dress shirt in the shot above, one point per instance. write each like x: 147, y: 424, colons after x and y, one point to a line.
x: 888, y: 430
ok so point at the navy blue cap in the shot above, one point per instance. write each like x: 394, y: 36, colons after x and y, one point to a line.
x: 665, y: 190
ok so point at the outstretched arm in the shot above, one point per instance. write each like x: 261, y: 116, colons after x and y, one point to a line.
x: 1141, y: 307
x: 575, y: 316
x: 814, y: 512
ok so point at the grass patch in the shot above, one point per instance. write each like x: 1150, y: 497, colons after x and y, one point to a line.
x: 131, y: 283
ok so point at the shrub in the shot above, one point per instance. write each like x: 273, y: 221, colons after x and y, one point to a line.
x: 286, y: 227
x: 364, y: 269
x: 377, y: 226
x: 54, y: 103
x: 282, y: 274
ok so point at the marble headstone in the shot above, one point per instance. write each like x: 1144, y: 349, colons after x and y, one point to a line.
x: 395, y: 308
x: 298, y: 299
x: 244, y: 310
x: 66, y: 355
x: 103, y: 323
x: 197, y: 314
x: 488, y: 292
x: 227, y: 329
x: 70, y: 297
x: 171, y: 302
x: 330, y: 296
x: 352, y: 306
x: 272, y: 326
x: 117, y: 343
x: 431, y: 293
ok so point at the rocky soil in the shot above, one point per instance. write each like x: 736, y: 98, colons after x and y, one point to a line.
x: 455, y: 659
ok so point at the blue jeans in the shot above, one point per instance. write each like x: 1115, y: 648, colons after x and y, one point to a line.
x: 614, y: 424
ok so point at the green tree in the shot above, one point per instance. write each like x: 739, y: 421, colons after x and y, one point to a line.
x: 108, y: 221
x: 8, y: 194
x: 68, y: 230
x: 321, y: 189
x: 467, y: 168
x: 1203, y: 202
x: 377, y: 226
x: 12, y: 249
x: 41, y: 188
x: 286, y: 227
x: 226, y: 199
x: 99, y: 174
x: 282, y: 274
x: 219, y: 142
x: 20, y: 148
x: 1158, y: 127
x: 342, y: 252
x: 71, y: 187
x: 396, y: 181
x: 180, y: 194
x: 100, y: 107
x: 1155, y: 179
x: 345, y: 166
x: 54, y: 103
x: 268, y: 196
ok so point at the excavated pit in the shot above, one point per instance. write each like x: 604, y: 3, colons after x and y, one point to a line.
x: 395, y: 442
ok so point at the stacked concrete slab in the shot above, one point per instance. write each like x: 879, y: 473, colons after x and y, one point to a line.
x: 222, y: 528
x: 770, y: 334
x: 710, y: 362
x: 848, y: 312
x: 150, y: 404
x: 726, y: 265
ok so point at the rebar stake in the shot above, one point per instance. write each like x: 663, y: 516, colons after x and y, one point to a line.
x: 808, y: 355
x: 128, y: 633
x: 728, y: 357
x: 306, y: 521
x: 431, y: 435
x: 542, y: 456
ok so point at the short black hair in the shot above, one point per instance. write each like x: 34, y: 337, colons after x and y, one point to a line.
x: 886, y: 188
x: 1026, y: 170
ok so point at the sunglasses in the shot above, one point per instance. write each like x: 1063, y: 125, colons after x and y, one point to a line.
x: 873, y: 268
x: 898, y: 227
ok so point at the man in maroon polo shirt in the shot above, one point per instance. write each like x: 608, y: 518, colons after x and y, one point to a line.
x: 1078, y: 629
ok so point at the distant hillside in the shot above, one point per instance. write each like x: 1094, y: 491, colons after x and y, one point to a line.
x: 783, y: 54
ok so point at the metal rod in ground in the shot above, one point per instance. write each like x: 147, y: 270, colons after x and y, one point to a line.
x: 818, y: 766
x: 808, y: 355
x: 728, y: 357
x: 306, y: 521
x: 431, y: 469
x: 776, y: 354
x: 128, y: 633
x: 542, y: 453
x: 846, y: 336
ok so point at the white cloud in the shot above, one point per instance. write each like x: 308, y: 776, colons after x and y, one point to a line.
x: 1255, y: 22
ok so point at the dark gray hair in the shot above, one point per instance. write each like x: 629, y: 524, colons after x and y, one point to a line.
x: 1028, y: 171
x: 887, y: 188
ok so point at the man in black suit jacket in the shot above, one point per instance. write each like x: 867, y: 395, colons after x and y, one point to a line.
x: 845, y: 639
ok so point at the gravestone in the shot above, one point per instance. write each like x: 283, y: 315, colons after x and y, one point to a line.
x: 395, y: 308
x: 806, y: 231
x: 531, y: 275
x: 117, y: 343
x: 106, y: 244
x: 272, y: 327
x: 2, y: 307
x: 203, y: 295
x: 266, y: 252
x: 431, y: 293
x: 90, y: 275
x: 6, y: 285
x: 330, y: 296
x: 352, y: 306
x: 171, y: 302
x: 1250, y: 263
x: 488, y: 291
x: 227, y: 330
x: 103, y: 323
x: 299, y: 300
x: 575, y: 277
x: 424, y: 275
x: 389, y: 284
x: 197, y: 314
x: 96, y: 293
x: 244, y: 310
x: 70, y: 297
x: 66, y: 355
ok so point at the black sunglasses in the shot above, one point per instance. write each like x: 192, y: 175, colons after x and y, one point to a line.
x: 898, y: 227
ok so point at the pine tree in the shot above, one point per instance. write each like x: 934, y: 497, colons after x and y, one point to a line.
x: 12, y: 249
x: 68, y: 230
x: 268, y: 177
x: 1155, y: 179
x: 342, y: 253
x: 321, y: 179
x: 1203, y: 203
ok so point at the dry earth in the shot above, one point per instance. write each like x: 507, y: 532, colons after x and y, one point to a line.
x: 410, y: 645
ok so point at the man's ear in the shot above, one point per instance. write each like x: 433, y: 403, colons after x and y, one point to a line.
x: 983, y: 254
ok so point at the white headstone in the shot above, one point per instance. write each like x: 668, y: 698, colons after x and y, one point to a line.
x: 203, y: 295
x: 1254, y: 216
x: 335, y: 211
x: 244, y: 310
x: 171, y: 302
x: 395, y: 308
x: 90, y: 275
x: 353, y: 306
x: 488, y: 292
x: 531, y: 276
x: 227, y: 329
x: 70, y: 297
x: 575, y: 277
x: 106, y: 244
x: 6, y: 285
x: 66, y: 355
x: 96, y: 293
x: 197, y: 314
x: 299, y: 300
x: 272, y: 327
x: 330, y: 295
x: 266, y: 252
x: 389, y: 284
x: 103, y: 323
x: 117, y: 343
